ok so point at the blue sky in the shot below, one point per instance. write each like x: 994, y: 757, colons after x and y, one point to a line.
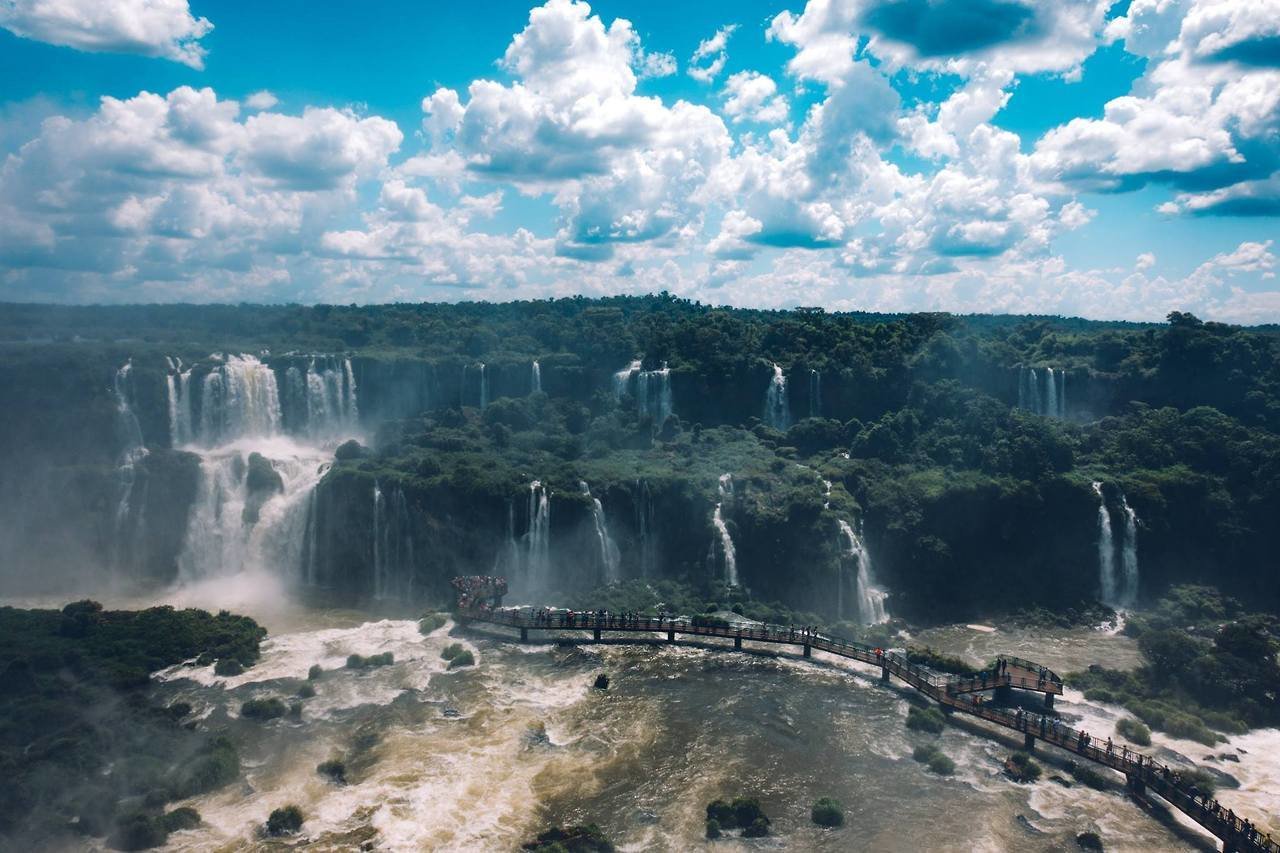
x: 1034, y: 156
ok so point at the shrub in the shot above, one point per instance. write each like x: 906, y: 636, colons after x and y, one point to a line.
x: 1202, y: 779
x: 1023, y: 768
x: 315, y: 672
x: 571, y: 839
x: 295, y: 710
x: 1133, y: 731
x: 711, y: 608
x: 216, y: 764
x: 713, y: 829
x: 924, y: 752
x: 334, y: 770
x: 463, y: 659
x: 284, y: 821
x: 925, y: 720
x: 305, y: 691
x: 1087, y: 776
x: 941, y: 765
x: 263, y: 709
x: 451, y: 651
x: 827, y: 812
x: 178, y: 710
x: 181, y: 818
x: 431, y: 622
x: 936, y: 660
x: 1100, y: 694
x: 746, y: 811
x: 738, y: 609
x: 759, y: 828
x: 228, y: 666
x: 361, y: 662
x: 722, y: 813
x: 138, y: 831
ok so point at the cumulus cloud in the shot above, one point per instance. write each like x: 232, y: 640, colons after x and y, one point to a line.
x: 711, y: 54
x: 1016, y: 35
x: 752, y: 96
x: 164, y: 187
x: 262, y: 100
x: 159, y: 28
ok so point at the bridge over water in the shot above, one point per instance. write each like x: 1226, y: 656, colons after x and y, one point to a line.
x: 954, y: 694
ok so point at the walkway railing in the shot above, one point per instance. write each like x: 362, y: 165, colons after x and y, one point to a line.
x: 953, y: 693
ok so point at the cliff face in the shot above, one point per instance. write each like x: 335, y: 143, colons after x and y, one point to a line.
x: 944, y: 545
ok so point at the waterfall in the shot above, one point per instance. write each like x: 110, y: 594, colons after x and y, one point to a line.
x: 777, y: 409
x: 652, y: 390
x: 128, y: 539
x: 871, y: 599
x: 645, y: 528
x: 178, y: 388
x: 484, y: 387
x: 622, y: 379
x: 535, y: 378
x: 392, y: 545
x: 239, y: 398
x: 1043, y: 391
x: 1129, y: 555
x: 537, y: 540
x: 1119, y: 590
x: 610, y: 556
x: 330, y: 394
x: 815, y: 394
x: 726, y: 541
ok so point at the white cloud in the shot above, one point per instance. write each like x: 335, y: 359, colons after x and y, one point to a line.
x: 655, y: 64
x: 1145, y: 261
x: 160, y: 28
x: 752, y: 96
x: 711, y: 54
x: 262, y: 100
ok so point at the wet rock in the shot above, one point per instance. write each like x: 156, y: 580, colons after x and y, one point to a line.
x: 1089, y: 841
x: 1027, y: 825
x: 1226, y: 756
x: 451, y: 713
x: 1066, y: 783
x: 537, y: 734
x: 602, y: 682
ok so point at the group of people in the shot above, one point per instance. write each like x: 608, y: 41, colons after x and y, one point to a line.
x: 547, y: 617
x: 479, y: 592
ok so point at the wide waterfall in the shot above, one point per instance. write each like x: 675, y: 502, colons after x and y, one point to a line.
x: 610, y: 556
x: 815, y: 394
x: 777, y: 408
x: 393, y: 561
x: 130, y: 521
x: 255, y: 502
x: 1119, y: 589
x: 535, y: 378
x: 652, y: 390
x: 872, y: 609
x: 1043, y: 390
x: 729, y: 553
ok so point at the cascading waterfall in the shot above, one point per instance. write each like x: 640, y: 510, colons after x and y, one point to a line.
x: 1043, y: 391
x: 535, y: 378
x: 777, y: 408
x: 1119, y: 589
x: 610, y: 556
x: 242, y: 521
x: 238, y: 398
x: 652, y: 390
x: 872, y: 609
x: 730, y: 554
x: 1129, y: 555
x: 484, y: 387
x: 815, y: 394
x: 537, y: 540
x: 128, y: 537
x: 393, y: 562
